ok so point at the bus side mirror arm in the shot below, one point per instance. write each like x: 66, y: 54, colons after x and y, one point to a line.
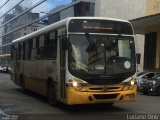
x: 65, y: 44
x: 138, y: 56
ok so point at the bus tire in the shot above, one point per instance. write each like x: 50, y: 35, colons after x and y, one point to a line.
x: 22, y: 82
x: 109, y: 104
x: 52, y: 97
x: 145, y: 93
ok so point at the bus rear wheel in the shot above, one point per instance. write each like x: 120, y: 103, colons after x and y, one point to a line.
x: 52, y: 99
x: 145, y: 93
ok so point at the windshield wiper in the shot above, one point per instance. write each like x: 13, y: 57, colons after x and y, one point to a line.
x: 91, y: 42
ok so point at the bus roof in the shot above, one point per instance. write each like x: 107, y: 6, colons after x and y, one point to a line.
x: 5, y: 55
x: 61, y: 23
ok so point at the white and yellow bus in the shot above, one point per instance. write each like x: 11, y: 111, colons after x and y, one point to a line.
x: 78, y: 60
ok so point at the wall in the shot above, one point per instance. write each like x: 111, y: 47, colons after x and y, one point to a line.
x: 156, y: 28
x: 152, y: 7
x: 123, y: 9
x: 139, y: 45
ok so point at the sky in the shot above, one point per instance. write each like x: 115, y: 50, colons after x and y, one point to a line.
x: 48, y: 5
x: 45, y: 7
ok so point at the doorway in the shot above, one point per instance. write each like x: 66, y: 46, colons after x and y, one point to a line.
x: 150, y: 51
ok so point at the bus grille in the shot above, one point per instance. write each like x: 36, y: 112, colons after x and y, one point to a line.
x: 105, y: 88
x: 106, y: 96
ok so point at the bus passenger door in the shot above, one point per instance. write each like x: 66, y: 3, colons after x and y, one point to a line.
x: 62, y: 68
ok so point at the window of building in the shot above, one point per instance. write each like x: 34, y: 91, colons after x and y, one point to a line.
x: 54, y: 18
x: 84, y: 9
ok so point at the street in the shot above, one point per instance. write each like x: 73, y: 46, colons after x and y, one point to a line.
x: 14, y: 101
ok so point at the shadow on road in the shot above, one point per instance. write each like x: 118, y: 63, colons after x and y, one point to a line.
x: 92, y: 108
x: 149, y: 94
x: 84, y: 109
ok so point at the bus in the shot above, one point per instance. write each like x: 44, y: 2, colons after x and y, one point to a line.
x: 5, y: 60
x: 78, y: 60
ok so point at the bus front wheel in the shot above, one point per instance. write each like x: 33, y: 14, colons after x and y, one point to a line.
x: 109, y: 104
x: 52, y: 94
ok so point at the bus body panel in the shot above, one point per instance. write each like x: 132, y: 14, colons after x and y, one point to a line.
x: 33, y: 75
x: 76, y: 97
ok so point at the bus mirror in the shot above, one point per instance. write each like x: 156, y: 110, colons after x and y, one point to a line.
x: 65, y: 44
x: 138, y: 56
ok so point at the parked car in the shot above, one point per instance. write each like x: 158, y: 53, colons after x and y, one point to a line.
x: 5, y: 69
x: 1, y: 68
x: 145, y: 75
x: 150, y: 85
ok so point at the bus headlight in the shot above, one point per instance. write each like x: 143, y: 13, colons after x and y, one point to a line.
x: 132, y: 82
x: 129, y: 85
x: 77, y: 84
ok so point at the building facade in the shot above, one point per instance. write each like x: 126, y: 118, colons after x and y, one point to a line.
x: 122, y: 9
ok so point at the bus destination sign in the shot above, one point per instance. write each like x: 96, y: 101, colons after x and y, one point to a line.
x: 100, y: 26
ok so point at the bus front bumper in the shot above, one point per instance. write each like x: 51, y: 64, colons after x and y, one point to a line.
x: 77, y: 97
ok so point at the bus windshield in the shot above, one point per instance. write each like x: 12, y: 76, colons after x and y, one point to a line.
x: 101, y: 54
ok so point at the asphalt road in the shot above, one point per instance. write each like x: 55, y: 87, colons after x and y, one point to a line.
x: 17, y: 104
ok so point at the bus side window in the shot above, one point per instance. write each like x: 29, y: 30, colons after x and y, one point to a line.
x: 12, y: 52
x: 24, y: 50
x: 51, y: 45
x: 28, y: 49
x: 40, y: 49
x: 20, y: 51
x: 34, y: 49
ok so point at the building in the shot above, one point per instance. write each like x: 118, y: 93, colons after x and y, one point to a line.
x: 149, y: 26
x: 21, y: 17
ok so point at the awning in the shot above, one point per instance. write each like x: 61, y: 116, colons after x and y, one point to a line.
x: 139, y: 24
